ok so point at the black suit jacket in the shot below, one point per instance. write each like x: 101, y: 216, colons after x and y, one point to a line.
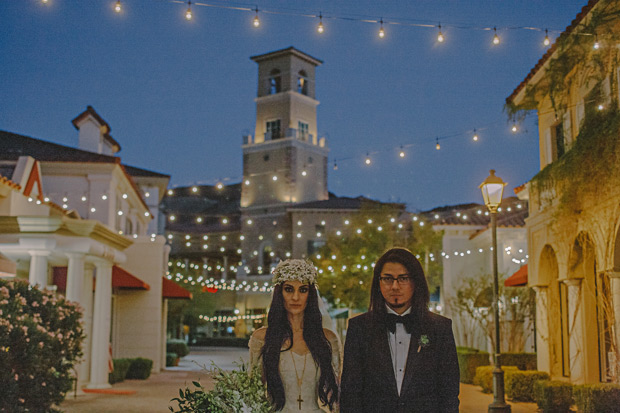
x: 431, y: 380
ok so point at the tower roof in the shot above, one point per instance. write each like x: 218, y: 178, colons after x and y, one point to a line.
x: 289, y: 50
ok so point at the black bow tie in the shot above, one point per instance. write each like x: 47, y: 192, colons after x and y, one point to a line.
x: 407, y: 321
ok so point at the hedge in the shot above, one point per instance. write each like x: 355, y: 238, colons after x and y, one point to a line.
x: 520, y: 384
x: 484, y: 377
x: 120, y: 370
x: 597, y: 398
x: 177, y: 346
x: 553, y: 396
x: 222, y: 342
x: 140, y: 368
x: 524, y: 361
x: 171, y: 359
x: 469, y: 360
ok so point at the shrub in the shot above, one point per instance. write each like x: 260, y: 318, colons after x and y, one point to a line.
x: 469, y: 360
x: 595, y: 398
x: 171, y: 359
x: 140, y: 368
x: 177, y: 346
x: 222, y: 342
x: 524, y: 361
x: 40, y: 341
x: 121, y: 366
x: 520, y: 384
x: 553, y: 396
x: 484, y: 377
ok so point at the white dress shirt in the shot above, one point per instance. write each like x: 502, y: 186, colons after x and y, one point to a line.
x: 399, y: 348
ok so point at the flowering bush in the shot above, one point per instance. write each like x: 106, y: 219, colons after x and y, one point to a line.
x: 40, y: 341
x: 237, y: 391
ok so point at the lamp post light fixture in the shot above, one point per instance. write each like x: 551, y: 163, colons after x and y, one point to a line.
x: 492, y: 190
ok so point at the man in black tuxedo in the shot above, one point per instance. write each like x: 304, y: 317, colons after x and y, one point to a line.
x: 399, y: 357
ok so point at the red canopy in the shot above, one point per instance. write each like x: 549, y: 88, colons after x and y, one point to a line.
x: 172, y: 290
x: 518, y: 279
x: 120, y: 279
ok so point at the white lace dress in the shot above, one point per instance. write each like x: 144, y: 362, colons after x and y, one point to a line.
x: 309, y: 388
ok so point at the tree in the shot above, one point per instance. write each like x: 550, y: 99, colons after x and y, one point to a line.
x: 347, y: 260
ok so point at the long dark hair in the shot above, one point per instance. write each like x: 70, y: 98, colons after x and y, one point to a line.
x: 405, y: 258
x: 279, y: 330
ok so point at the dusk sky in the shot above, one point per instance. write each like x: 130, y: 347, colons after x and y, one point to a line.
x: 179, y: 95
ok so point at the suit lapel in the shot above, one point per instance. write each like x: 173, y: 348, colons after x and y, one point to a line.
x: 413, y: 356
x: 381, y: 349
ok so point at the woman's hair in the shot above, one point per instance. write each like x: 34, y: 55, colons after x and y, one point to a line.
x: 405, y: 258
x: 279, y: 331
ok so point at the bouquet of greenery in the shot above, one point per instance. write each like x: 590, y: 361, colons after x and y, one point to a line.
x: 240, y: 390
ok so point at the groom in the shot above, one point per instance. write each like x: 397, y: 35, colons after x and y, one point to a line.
x: 399, y: 357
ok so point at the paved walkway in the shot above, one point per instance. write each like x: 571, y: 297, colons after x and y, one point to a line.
x: 154, y: 394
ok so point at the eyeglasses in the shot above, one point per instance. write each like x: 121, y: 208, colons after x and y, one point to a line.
x: 390, y: 280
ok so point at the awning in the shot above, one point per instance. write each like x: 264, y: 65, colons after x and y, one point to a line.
x: 518, y: 279
x: 120, y: 279
x: 8, y: 268
x: 172, y: 290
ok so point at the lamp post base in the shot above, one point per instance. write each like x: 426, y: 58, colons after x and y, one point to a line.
x: 498, y: 405
x: 499, y: 408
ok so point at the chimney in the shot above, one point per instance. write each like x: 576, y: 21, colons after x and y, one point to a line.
x: 94, y: 133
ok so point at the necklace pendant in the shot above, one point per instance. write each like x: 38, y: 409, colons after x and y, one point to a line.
x: 300, y: 400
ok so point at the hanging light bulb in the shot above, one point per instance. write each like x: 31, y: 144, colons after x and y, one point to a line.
x: 117, y: 6
x: 437, y: 145
x: 440, y: 37
x: 304, y: 173
x: 44, y: 1
x: 596, y: 43
x: 335, y: 166
x: 381, y: 31
x: 367, y: 161
x: 188, y: 13
x: 514, y: 128
x: 546, y: 42
x: 320, y: 27
x: 402, y: 152
x: 495, y: 37
x: 475, y: 137
x: 256, y: 21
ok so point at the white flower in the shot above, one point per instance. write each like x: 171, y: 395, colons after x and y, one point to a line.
x: 294, y: 270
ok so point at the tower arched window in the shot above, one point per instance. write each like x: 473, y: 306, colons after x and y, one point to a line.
x: 275, y: 82
x: 302, y: 82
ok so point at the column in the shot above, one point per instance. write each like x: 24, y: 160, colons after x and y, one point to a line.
x: 615, y: 298
x: 101, y: 326
x: 75, y: 277
x: 38, y: 267
x: 87, y: 305
x: 543, y: 336
x: 225, y: 268
x: 576, y: 342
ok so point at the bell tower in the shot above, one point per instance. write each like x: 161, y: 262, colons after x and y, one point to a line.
x: 285, y: 161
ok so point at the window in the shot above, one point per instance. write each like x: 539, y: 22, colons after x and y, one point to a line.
x: 275, y: 82
x: 302, y: 129
x: 302, y: 83
x: 314, y: 246
x: 273, y: 129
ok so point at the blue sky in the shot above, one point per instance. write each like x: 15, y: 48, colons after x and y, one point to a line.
x: 179, y: 95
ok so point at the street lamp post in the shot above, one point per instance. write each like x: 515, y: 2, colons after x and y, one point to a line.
x: 492, y: 190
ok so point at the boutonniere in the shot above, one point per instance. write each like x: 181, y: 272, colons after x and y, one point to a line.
x: 423, y: 341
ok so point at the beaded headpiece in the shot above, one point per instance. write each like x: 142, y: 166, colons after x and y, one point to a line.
x: 294, y: 270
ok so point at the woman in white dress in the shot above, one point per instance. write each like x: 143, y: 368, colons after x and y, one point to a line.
x: 300, y: 361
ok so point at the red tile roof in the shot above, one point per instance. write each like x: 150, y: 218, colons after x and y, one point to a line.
x: 567, y: 32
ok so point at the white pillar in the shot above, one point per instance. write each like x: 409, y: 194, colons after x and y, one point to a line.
x: 543, y: 335
x: 87, y: 305
x: 225, y: 268
x: 38, y: 268
x: 101, y: 326
x: 75, y: 277
x: 575, y: 325
x: 164, y: 329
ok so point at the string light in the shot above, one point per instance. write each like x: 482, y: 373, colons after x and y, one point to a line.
x: 437, y: 145
x: 440, y: 37
x: 320, y: 27
x: 475, y: 138
x: 402, y: 152
x: 188, y: 13
x: 495, y: 36
x: 596, y: 43
x: 514, y: 128
x: 381, y: 31
x: 304, y: 173
x: 117, y: 6
x: 44, y: 1
x: 546, y: 42
x: 367, y: 161
x: 219, y: 185
x: 335, y: 166
x: 256, y: 21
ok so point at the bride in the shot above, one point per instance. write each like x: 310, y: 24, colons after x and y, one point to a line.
x: 300, y: 360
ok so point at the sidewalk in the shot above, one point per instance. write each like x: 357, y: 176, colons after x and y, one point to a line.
x: 154, y: 394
